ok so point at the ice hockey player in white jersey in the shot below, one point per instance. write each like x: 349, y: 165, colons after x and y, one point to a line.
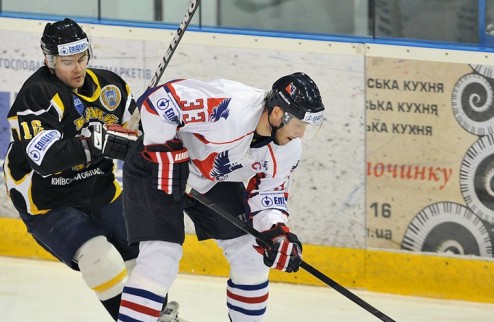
x: 215, y: 136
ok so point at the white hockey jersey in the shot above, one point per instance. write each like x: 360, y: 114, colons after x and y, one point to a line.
x: 216, y: 121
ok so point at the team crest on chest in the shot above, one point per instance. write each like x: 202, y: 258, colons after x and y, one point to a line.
x: 110, y: 97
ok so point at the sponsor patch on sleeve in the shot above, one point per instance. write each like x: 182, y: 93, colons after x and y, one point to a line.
x: 166, y: 105
x: 273, y: 200
x: 36, y: 149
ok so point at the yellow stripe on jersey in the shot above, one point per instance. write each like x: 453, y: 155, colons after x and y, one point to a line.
x: 8, y: 173
x: 118, y: 187
x: 127, y: 89
x: 118, y: 190
x: 56, y: 102
x: 14, y: 125
x: 21, y: 180
x: 32, y: 206
x: 22, y: 185
x: 97, y: 90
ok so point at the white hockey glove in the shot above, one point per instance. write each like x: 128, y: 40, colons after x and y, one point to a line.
x: 286, y: 252
x: 170, y: 166
x: 112, y: 141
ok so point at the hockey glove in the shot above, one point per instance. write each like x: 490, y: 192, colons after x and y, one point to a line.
x: 171, y: 167
x: 285, y: 254
x: 112, y: 141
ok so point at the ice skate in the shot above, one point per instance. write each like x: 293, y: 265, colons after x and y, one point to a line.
x: 170, y: 313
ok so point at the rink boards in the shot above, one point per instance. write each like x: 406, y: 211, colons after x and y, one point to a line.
x: 373, y: 270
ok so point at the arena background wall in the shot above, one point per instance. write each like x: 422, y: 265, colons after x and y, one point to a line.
x: 393, y: 195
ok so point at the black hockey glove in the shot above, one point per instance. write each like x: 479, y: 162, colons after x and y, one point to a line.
x: 171, y: 167
x: 286, y: 252
x: 112, y: 141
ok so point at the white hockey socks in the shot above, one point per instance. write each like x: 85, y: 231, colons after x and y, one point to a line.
x: 145, y: 291
x: 247, y: 303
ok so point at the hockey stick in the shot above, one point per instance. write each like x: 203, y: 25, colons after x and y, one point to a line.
x: 133, y: 121
x: 267, y: 242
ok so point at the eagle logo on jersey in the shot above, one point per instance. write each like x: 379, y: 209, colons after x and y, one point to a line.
x: 222, y: 167
x: 216, y: 166
x: 218, y: 108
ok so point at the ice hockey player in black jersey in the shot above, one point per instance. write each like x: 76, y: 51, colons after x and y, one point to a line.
x: 66, y: 124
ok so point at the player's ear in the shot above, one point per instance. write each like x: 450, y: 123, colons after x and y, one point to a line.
x: 278, y: 112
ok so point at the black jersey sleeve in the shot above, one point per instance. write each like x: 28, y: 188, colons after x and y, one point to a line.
x: 40, y: 109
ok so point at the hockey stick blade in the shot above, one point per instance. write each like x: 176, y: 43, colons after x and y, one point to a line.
x: 134, y: 119
x: 304, y: 265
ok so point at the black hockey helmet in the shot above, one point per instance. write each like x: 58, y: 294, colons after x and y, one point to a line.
x: 64, y: 38
x: 298, y: 95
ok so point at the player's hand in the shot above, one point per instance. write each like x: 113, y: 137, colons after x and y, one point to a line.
x: 286, y: 252
x: 112, y: 141
x: 171, y: 167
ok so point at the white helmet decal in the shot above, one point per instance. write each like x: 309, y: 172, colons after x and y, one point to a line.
x: 73, y: 48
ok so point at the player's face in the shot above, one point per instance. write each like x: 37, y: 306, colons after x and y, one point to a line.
x: 72, y: 69
x: 293, y: 129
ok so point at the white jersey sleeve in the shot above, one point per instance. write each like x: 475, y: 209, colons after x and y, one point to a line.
x: 268, y: 191
x: 160, y: 115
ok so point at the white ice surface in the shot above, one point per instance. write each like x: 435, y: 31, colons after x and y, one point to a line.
x: 45, y: 291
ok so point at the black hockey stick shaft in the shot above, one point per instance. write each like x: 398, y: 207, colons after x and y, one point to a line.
x: 345, y: 292
x: 308, y: 268
x: 133, y: 121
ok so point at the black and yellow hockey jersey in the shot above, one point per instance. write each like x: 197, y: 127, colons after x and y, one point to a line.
x: 46, y: 166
